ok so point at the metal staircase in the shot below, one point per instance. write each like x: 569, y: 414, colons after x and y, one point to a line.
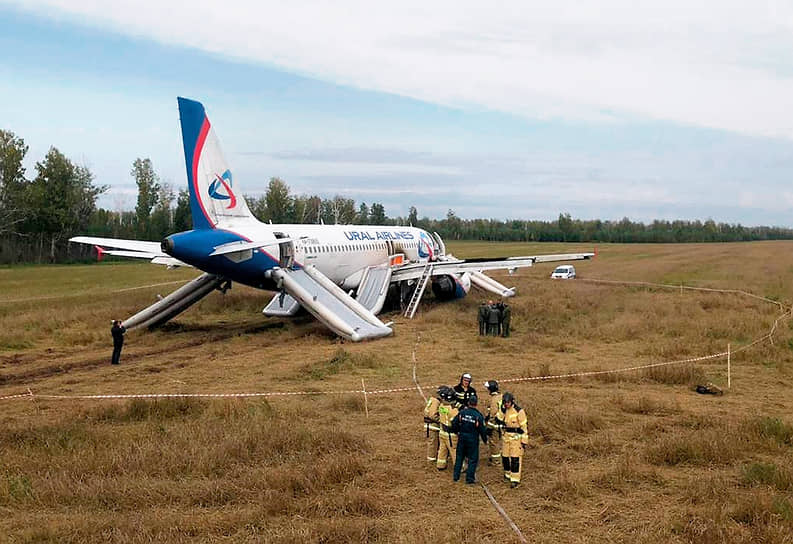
x: 419, y: 292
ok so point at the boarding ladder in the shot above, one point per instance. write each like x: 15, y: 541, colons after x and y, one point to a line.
x: 419, y: 292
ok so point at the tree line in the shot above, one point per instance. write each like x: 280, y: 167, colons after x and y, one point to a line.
x: 39, y: 213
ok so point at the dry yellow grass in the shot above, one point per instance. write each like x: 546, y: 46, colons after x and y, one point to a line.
x: 614, y: 458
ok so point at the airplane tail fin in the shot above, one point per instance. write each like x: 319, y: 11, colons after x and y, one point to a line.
x: 214, y: 196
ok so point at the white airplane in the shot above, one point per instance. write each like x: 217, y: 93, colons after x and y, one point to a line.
x: 316, y: 267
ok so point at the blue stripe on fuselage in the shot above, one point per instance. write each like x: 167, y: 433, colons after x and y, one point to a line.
x: 193, y: 247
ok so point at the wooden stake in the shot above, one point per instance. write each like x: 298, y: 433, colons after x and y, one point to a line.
x: 365, y: 399
x: 728, y: 367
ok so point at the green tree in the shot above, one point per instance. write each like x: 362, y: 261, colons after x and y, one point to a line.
x: 566, y: 227
x: 13, y: 184
x: 182, y: 217
x: 413, y: 216
x: 63, y: 198
x: 278, y: 203
x: 453, y: 225
x: 148, y: 193
x: 377, y: 214
x: 344, y: 210
x: 363, y: 214
x: 161, y: 219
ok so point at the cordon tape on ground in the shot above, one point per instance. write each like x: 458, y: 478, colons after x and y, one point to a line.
x: 271, y: 394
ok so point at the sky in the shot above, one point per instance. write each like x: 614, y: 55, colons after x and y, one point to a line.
x: 612, y: 109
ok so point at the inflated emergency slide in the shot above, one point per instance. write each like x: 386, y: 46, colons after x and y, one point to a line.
x: 487, y: 283
x: 282, y: 305
x: 329, y: 303
x: 175, y: 303
x: 373, y: 289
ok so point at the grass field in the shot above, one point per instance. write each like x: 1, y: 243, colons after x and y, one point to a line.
x: 631, y: 457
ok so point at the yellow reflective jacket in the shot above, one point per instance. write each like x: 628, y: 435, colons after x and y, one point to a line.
x: 493, y: 409
x: 515, y: 424
x: 446, y: 412
x: 431, y: 416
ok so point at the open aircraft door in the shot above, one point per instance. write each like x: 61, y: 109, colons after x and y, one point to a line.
x: 286, y: 251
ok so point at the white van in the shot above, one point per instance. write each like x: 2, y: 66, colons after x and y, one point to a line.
x: 564, y: 272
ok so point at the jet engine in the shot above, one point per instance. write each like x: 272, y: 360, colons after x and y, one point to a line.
x: 450, y: 287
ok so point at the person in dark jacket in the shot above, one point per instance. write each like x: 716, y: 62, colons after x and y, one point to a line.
x: 117, y: 331
x: 470, y: 425
x: 464, y: 390
x: 482, y: 318
x: 506, y: 316
x: 493, y: 319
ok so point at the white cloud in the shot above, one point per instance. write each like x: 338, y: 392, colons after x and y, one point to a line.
x: 719, y: 64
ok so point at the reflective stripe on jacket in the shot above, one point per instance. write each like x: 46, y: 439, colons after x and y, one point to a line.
x: 431, y: 416
x: 447, y: 413
x: 514, y: 419
x: 492, y: 410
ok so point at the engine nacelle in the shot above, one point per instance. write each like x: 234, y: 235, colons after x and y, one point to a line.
x: 450, y: 287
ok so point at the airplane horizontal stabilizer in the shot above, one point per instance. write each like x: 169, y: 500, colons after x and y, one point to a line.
x: 151, y: 249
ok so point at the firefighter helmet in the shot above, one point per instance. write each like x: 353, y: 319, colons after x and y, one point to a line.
x: 491, y: 385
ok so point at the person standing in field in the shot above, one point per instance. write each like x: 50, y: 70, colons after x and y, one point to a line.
x: 470, y: 426
x: 514, y: 423
x: 493, y: 319
x: 506, y: 316
x: 464, y: 390
x: 117, y: 331
x: 493, y: 428
x: 447, y: 438
x: 432, y: 426
x: 482, y: 317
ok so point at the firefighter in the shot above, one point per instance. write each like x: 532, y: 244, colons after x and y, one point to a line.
x: 464, y: 390
x: 493, y: 319
x: 482, y: 318
x: 432, y: 425
x: 470, y: 426
x: 117, y: 331
x: 515, y: 437
x: 493, y: 428
x: 506, y: 315
x: 447, y: 439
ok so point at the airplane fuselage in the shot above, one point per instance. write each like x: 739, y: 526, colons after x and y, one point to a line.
x: 340, y: 252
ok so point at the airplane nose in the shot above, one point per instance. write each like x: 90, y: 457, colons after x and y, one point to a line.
x: 167, y: 246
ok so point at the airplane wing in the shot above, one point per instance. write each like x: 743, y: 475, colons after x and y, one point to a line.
x: 452, y: 265
x: 135, y: 249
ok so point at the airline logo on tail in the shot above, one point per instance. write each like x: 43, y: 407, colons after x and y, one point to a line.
x: 425, y: 246
x: 220, y: 189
